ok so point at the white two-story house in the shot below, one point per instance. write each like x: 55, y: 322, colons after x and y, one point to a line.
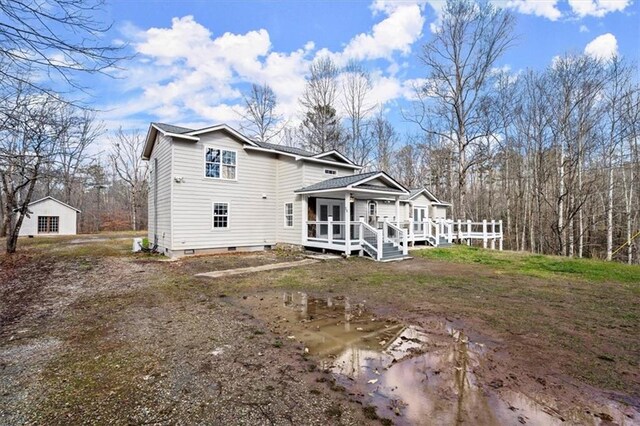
x: 214, y: 189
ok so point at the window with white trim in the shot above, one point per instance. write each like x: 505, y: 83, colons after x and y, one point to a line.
x: 220, y: 164
x: 330, y: 172
x: 220, y: 215
x: 288, y: 215
x: 373, y: 208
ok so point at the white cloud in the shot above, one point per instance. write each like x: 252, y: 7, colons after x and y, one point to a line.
x: 396, y: 33
x: 597, y: 8
x: 584, y: 29
x: 185, y: 73
x: 544, y: 8
x: 602, y: 47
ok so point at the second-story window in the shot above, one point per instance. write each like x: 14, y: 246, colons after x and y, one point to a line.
x: 220, y: 164
x: 330, y: 172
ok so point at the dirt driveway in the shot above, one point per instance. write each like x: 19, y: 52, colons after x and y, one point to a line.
x: 92, y: 334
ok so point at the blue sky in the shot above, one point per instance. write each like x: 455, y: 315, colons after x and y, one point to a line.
x: 194, y: 58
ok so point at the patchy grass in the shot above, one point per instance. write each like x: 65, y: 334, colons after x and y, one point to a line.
x: 560, y: 316
x: 572, y: 316
x: 537, y: 265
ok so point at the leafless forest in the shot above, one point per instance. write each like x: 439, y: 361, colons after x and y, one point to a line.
x: 553, y: 152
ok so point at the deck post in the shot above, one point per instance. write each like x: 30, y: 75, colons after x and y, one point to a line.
x: 501, y: 235
x: 493, y: 234
x: 329, y: 230
x: 450, y: 232
x: 437, y: 233
x: 405, y: 243
x: 398, y: 212
x: 380, y: 240
x: 484, y: 233
x: 412, y: 221
x: 347, y: 224
x: 361, y: 235
x: 468, y: 232
x: 305, y: 219
x: 459, y: 230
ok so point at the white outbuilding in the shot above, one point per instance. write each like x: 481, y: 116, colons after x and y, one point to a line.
x: 48, y: 216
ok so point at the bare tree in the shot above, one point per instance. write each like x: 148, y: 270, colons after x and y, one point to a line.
x: 260, y: 117
x: 29, y: 139
x: 460, y: 59
x: 356, y: 86
x: 57, y: 38
x: 384, y: 138
x: 321, y: 129
x: 127, y: 161
x: 83, y: 131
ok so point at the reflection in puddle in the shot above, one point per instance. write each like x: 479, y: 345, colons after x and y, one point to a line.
x: 411, y: 375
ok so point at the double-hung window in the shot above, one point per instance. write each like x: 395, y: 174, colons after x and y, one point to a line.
x: 288, y: 215
x: 220, y: 164
x: 220, y: 215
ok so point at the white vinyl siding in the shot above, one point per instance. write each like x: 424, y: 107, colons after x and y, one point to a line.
x: 161, y: 208
x: 314, y: 172
x: 251, y: 197
x: 289, y: 178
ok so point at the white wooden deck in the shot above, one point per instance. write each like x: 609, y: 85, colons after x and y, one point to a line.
x: 389, y: 239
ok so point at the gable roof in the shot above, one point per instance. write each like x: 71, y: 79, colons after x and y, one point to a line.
x: 288, y: 149
x: 414, y: 192
x: 184, y: 133
x: 53, y: 199
x: 351, y: 182
x: 333, y: 153
x: 170, y: 128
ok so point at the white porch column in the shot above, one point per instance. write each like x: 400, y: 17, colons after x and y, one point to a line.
x: 347, y: 224
x: 398, y: 212
x: 305, y: 219
x: 412, y: 221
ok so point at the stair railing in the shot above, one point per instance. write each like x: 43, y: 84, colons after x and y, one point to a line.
x: 368, y: 236
x: 396, y: 235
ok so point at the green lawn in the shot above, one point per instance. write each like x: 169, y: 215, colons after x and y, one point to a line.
x: 536, y: 265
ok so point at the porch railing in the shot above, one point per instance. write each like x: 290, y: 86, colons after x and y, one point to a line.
x: 395, y: 235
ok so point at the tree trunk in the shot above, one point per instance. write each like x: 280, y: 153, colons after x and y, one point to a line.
x: 610, y: 212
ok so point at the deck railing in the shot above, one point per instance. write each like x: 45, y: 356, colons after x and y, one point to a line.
x: 331, y: 234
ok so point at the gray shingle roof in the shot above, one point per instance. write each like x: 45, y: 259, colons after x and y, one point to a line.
x: 412, y: 192
x: 171, y: 128
x: 341, y: 182
x: 287, y: 149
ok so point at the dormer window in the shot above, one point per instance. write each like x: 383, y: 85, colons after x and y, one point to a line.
x: 220, y: 164
x: 330, y: 172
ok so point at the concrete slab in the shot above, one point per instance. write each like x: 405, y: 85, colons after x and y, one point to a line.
x: 269, y: 267
x: 320, y: 256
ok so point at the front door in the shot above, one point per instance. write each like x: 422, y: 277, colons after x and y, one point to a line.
x: 334, y: 208
x: 419, y: 216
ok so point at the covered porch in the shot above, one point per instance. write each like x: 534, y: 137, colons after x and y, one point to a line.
x: 342, y: 214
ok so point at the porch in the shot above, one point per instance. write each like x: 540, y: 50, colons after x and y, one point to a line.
x: 373, y: 215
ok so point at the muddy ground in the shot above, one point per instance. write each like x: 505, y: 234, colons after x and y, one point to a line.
x: 92, y: 334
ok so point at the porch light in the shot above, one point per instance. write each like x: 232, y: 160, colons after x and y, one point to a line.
x: 352, y: 198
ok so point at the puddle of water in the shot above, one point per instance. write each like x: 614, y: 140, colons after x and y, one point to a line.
x: 410, y: 375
